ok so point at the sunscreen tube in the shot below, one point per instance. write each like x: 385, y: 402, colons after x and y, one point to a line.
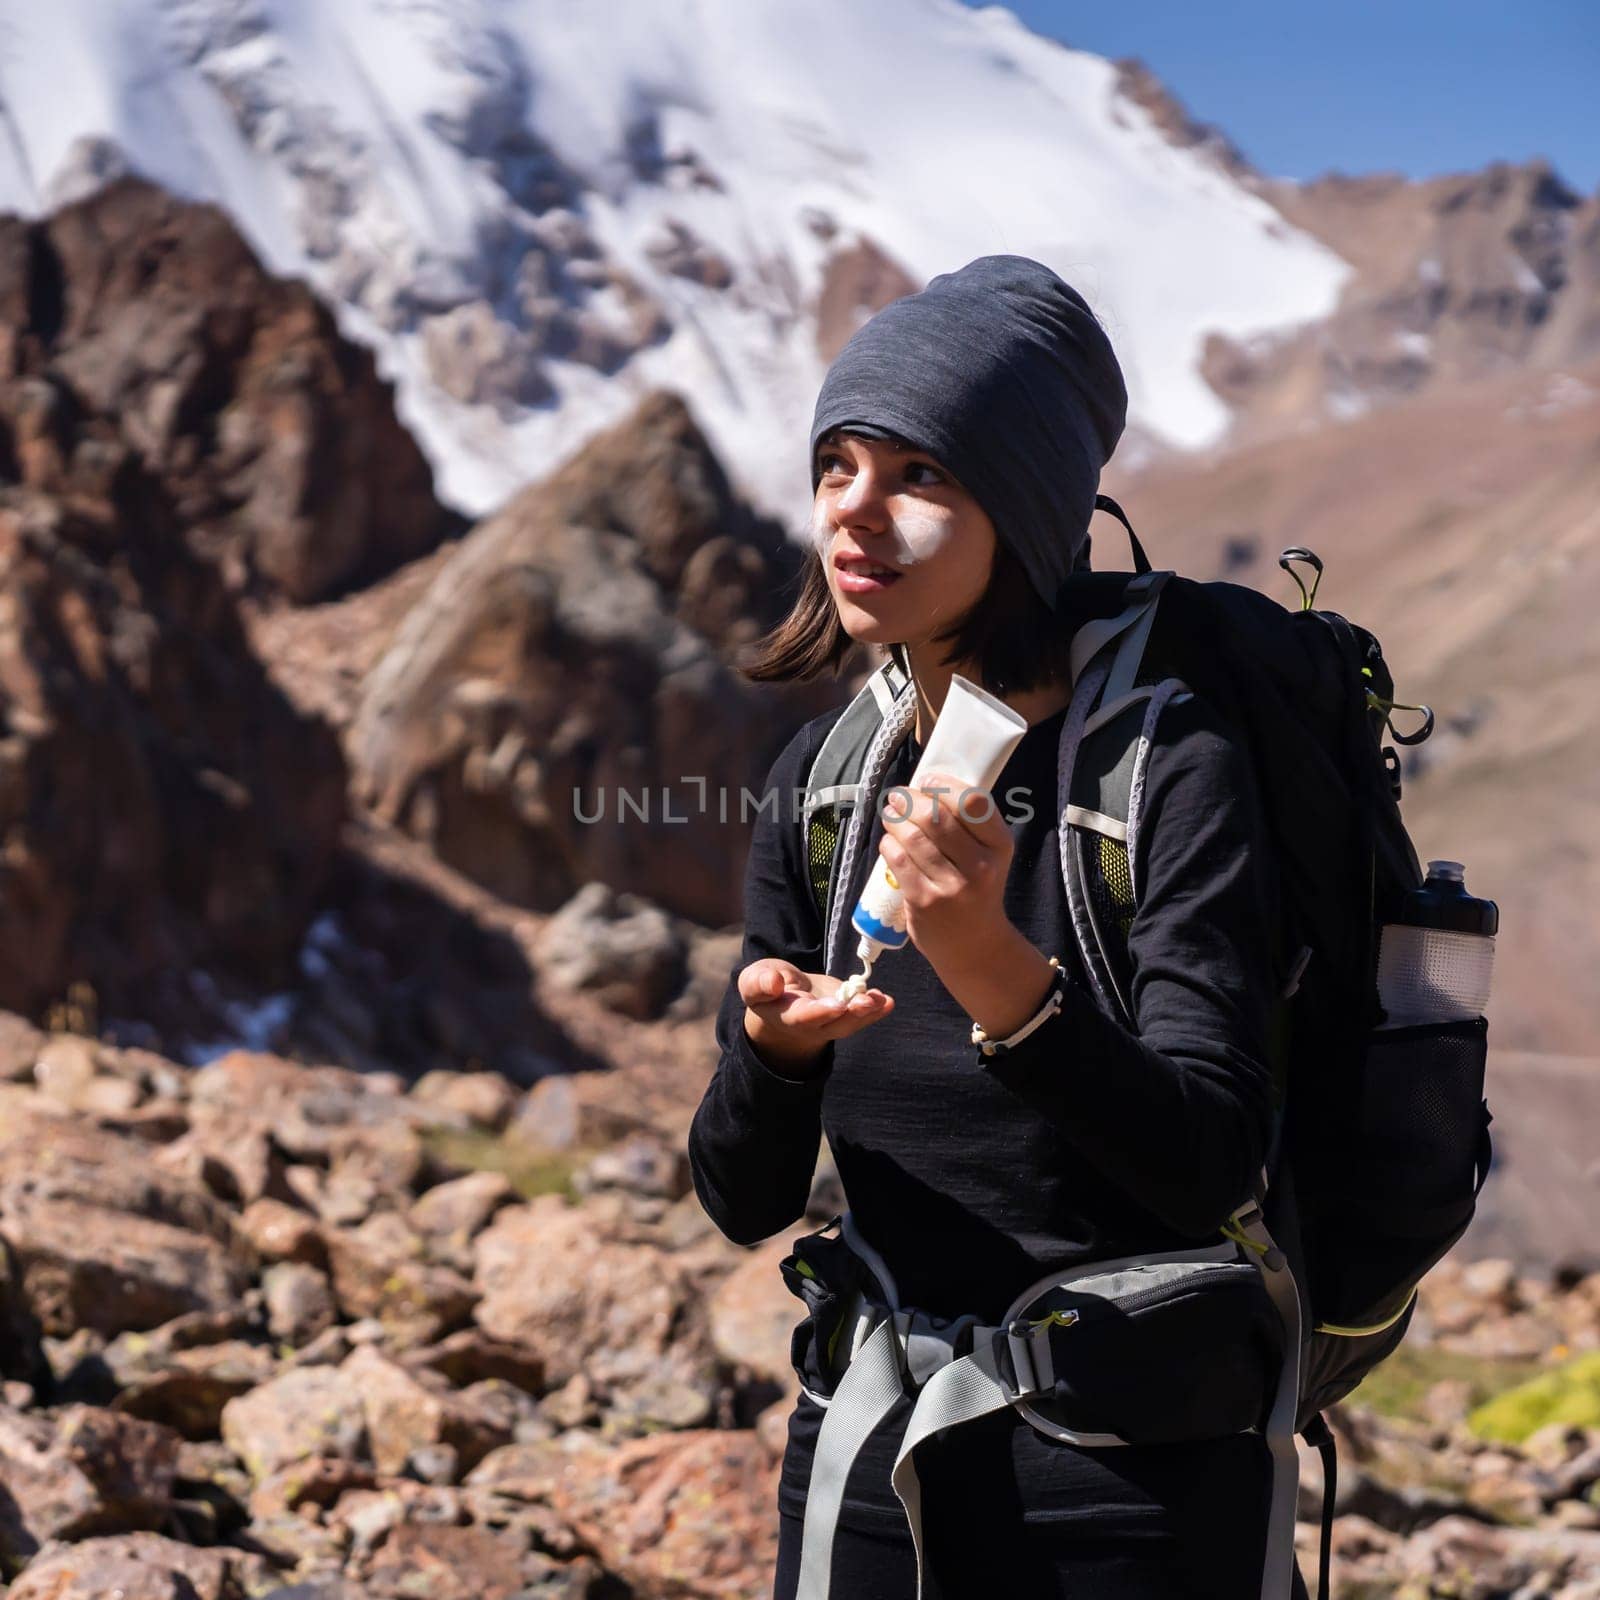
x: 972, y: 740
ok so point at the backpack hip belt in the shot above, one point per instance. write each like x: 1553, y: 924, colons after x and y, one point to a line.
x: 961, y: 1369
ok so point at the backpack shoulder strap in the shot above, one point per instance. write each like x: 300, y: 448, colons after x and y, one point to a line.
x: 1105, y: 746
x: 833, y: 783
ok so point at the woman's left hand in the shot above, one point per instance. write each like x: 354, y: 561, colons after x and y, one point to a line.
x: 950, y: 851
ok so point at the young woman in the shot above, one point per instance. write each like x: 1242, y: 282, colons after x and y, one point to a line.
x: 957, y: 446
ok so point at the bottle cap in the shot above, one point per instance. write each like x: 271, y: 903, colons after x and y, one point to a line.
x: 1444, y: 902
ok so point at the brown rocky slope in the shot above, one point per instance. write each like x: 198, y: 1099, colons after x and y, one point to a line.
x: 270, y: 1332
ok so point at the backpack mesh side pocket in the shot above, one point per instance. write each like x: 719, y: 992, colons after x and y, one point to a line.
x: 1112, y: 885
x: 823, y: 840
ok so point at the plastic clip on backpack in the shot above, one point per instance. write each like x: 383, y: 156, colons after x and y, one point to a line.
x: 1380, y: 1143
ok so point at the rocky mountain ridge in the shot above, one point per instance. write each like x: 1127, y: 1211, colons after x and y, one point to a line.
x: 1457, y: 279
x: 536, y: 222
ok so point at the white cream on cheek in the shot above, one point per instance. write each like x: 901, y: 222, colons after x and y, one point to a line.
x: 820, y: 529
x: 917, y: 534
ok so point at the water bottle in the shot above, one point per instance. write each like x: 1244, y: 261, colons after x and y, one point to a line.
x: 1436, y: 959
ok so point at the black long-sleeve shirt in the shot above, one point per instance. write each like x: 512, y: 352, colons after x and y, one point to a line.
x: 974, y: 1177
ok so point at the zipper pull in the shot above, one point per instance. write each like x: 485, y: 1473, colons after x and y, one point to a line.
x: 1056, y: 1319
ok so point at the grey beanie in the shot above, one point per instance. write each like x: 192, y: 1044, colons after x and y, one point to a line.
x: 1001, y: 372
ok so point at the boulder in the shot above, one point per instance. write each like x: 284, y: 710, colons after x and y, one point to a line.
x: 471, y: 1356
x: 617, y: 947
x: 21, y: 1044
x: 569, y: 661
x: 580, y: 1110
x: 452, y: 1214
x: 232, y: 389
x: 299, y: 1302
x: 686, y: 1514
x: 22, y: 1357
x: 484, y: 1098
x: 191, y: 1388
x: 103, y: 1239
x: 645, y: 1165
x: 282, y: 1232
x: 319, y: 1481
x: 139, y: 1566
x: 753, y: 1315
x: 446, y: 1563
x: 378, y: 1271
x: 81, y: 1472
x: 404, y: 1415
x: 577, y: 1301
x: 1478, y: 1562
x: 306, y: 1411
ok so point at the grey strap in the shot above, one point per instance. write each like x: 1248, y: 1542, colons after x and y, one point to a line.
x: 883, y: 691
x: 1092, y: 1272
x: 851, y: 1235
x: 1097, y: 822
x: 1125, y: 668
x: 1085, y: 695
x: 1163, y: 695
x: 927, y: 1344
x: 890, y: 735
x: 865, y: 1395
x: 836, y: 767
x: 961, y: 1392
x: 1114, y: 708
x: 1277, y: 1572
x: 1093, y: 637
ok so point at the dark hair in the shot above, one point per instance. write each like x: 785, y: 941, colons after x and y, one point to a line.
x: 1016, y: 641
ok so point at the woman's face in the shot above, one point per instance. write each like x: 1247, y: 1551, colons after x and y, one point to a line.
x: 881, y: 504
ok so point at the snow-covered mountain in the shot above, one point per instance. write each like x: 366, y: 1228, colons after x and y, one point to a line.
x: 537, y: 209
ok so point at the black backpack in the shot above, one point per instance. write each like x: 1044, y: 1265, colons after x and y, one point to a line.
x: 1381, y: 1138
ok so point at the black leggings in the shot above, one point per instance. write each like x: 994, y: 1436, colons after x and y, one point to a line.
x: 1184, y: 1521
x: 1041, y: 1563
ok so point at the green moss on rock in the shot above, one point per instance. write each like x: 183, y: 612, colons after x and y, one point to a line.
x: 1569, y: 1394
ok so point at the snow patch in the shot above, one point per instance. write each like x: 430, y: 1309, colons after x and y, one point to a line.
x: 1525, y: 278
x: 1345, y: 405
x: 404, y: 156
x: 254, y: 1025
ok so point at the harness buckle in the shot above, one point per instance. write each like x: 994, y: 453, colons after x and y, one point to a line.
x: 1019, y: 1337
x: 1028, y: 1339
x: 1250, y: 1231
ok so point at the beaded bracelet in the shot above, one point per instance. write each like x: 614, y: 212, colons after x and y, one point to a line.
x: 1047, y: 1009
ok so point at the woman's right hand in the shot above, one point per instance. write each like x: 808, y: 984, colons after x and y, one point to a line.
x: 790, y: 1015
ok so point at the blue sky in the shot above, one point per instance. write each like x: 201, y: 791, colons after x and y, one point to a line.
x: 1420, y: 88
